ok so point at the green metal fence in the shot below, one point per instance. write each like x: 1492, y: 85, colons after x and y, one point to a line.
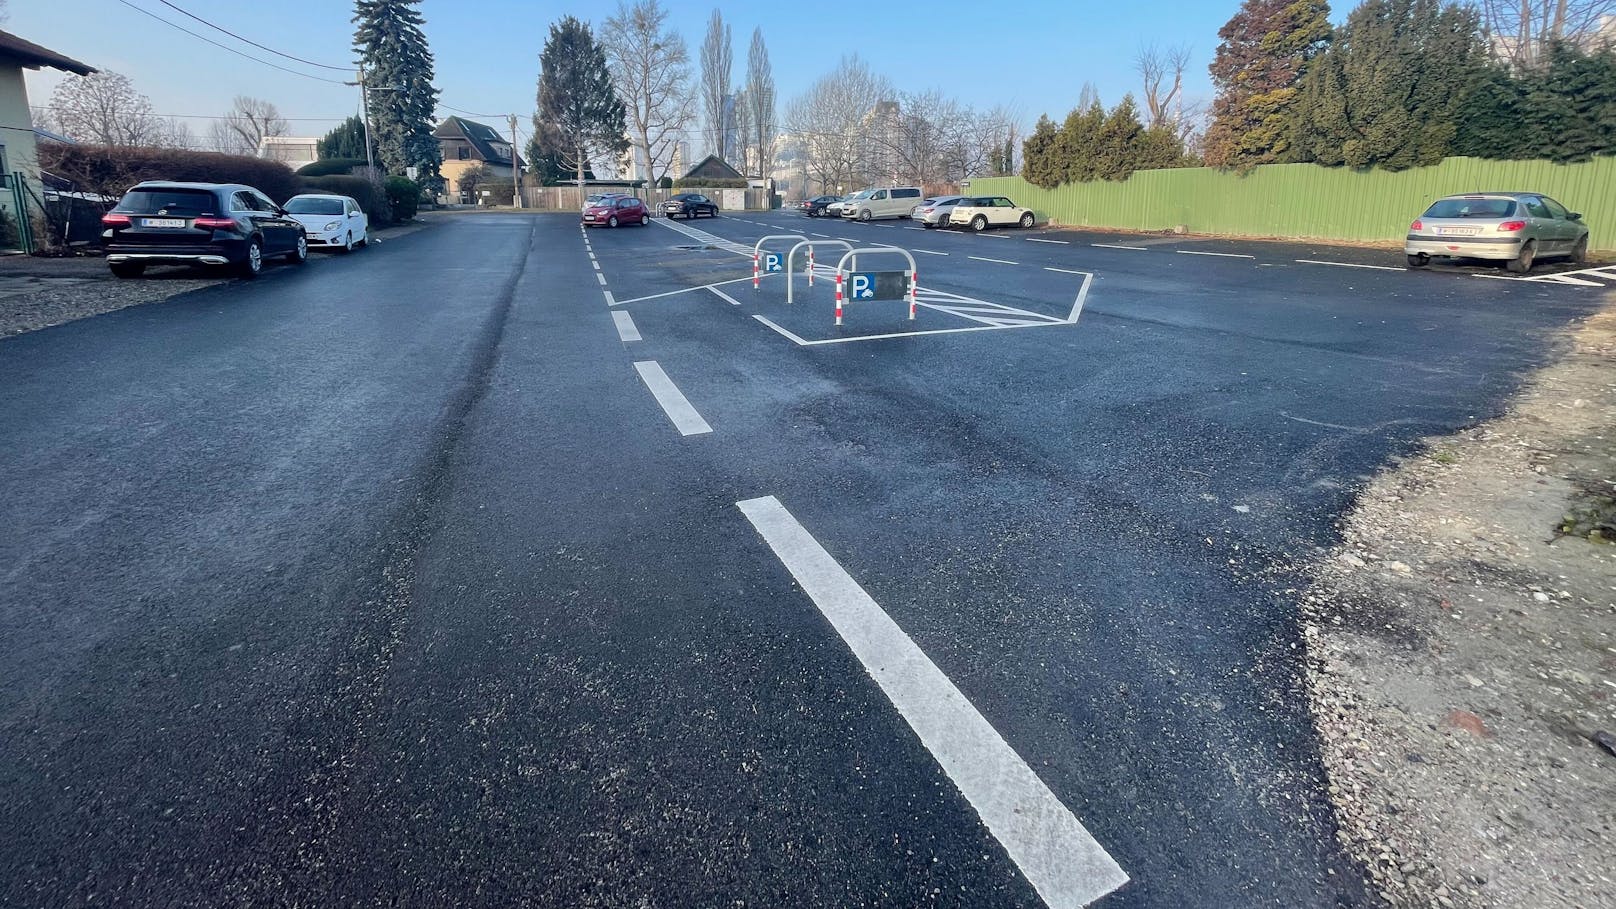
x: 1309, y: 201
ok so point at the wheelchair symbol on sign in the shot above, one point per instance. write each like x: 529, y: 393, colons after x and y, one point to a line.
x: 773, y: 262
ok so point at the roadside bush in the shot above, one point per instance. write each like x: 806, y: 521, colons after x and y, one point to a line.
x: 366, y: 193
x: 404, y: 195
x: 111, y: 170
x: 499, y: 192
x: 711, y: 183
x: 331, y: 166
x: 665, y: 183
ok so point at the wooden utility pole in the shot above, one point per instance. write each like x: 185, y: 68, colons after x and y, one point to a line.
x: 516, y: 167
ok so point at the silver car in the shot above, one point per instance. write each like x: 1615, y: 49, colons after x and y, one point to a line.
x: 1517, y: 228
x: 933, y: 212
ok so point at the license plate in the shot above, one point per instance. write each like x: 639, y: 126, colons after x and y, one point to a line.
x: 162, y: 222
x: 589, y: 217
x: 1457, y: 231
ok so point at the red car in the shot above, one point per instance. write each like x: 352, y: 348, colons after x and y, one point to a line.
x: 613, y: 211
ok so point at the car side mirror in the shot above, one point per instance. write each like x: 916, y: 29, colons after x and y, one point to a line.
x: 1574, y: 216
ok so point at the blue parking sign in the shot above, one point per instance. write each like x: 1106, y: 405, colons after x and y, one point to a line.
x: 773, y: 262
x: 877, y: 285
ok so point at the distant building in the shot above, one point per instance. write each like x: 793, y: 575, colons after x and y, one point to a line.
x: 467, y: 143
x: 292, y: 151
x: 712, y: 167
x: 18, y: 157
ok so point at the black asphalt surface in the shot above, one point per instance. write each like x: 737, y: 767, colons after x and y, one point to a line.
x: 389, y: 583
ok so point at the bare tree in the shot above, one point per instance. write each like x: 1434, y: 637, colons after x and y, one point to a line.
x: 243, y: 128
x: 651, y: 69
x: 743, y: 129
x: 1163, y: 74
x: 1522, y: 30
x: 717, y: 61
x: 103, y: 108
x: 827, y: 122
x: 760, y: 102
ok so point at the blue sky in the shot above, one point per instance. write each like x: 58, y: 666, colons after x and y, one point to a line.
x: 487, y: 50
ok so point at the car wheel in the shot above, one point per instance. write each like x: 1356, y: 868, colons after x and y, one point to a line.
x: 128, y: 270
x: 1027, y: 221
x: 347, y: 243
x: 979, y: 223
x: 612, y: 221
x: 1579, y: 253
x: 365, y: 240
x: 253, y: 262
x: 864, y: 215
x: 1522, y: 263
x: 1418, y: 260
x: 300, y: 252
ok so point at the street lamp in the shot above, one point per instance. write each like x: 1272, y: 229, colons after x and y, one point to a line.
x: 364, y: 102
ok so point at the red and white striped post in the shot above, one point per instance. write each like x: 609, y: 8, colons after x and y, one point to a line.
x: 754, y: 270
x: 810, y: 266
x: 914, y: 285
x: 838, y: 296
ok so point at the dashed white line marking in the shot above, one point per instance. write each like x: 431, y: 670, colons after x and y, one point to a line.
x: 821, y: 236
x: 1058, y: 856
x: 929, y: 252
x: 986, y: 259
x: 1197, y: 252
x: 674, y: 403
x: 914, y: 228
x: 609, y: 300
x: 1352, y: 265
x: 601, y: 278
x: 1119, y: 246
x: 994, y: 236
x: 801, y: 342
x: 626, y: 329
x: 732, y: 300
x: 1064, y: 271
x: 1042, y: 240
x: 594, y: 263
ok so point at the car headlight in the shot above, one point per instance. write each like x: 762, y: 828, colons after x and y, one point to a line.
x: 332, y: 225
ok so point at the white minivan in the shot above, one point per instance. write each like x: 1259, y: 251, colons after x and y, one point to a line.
x: 889, y: 202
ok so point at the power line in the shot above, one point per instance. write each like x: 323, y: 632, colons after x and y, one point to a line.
x: 227, y: 117
x: 232, y: 34
x: 470, y: 113
x: 228, y: 48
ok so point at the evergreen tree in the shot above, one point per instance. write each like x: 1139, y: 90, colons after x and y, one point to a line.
x: 398, y: 69
x: 1562, y: 111
x: 1038, y: 159
x: 579, y: 112
x: 1265, y: 51
x: 1077, y: 147
x: 1116, y: 145
x: 346, y: 141
x: 1389, y: 91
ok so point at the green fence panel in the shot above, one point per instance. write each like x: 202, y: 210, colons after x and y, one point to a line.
x: 1309, y: 201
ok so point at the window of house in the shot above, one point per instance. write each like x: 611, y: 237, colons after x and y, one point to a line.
x: 463, y: 153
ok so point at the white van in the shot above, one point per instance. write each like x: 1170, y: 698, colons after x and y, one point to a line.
x: 889, y: 202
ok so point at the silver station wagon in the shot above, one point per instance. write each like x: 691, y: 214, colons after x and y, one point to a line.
x: 1518, y: 228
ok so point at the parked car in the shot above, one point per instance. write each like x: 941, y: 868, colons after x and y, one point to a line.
x: 334, y: 222
x: 981, y: 212
x: 616, y: 210
x: 835, y: 209
x: 1517, y: 228
x: 162, y: 223
x: 817, y: 206
x: 690, y: 205
x: 890, y: 202
x: 934, y: 212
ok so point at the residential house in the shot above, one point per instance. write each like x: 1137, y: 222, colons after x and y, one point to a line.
x: 292, y: 151
x: 19, y: 165
x: 465, y: 144
x: 712, y: 167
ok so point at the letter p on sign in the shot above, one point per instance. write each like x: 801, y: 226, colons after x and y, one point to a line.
x: 863, y: 287
x: 772, y: 262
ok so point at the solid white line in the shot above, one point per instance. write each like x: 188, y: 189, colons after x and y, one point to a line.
x: 626, y: 330
x: 601, y: 278
x: 1064, y: 271
x: 986, y: 259
x: 1115, y: 246
x: 914, y: 228
x: 822, y: 236
x: 1352, y: 265
x: 929, y: 252
x: 1058, y: 856
x: 674, y: 403
x: 1082, y: 296
x: 609, y: 300
x: 1196, y: 252
x: 726, y: 296
x: 1042, y: 240
x: 794, y: 337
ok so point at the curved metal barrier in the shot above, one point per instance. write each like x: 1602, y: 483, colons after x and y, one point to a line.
x: 757, y: 250
x: 791, y: 282
x: 875, y: 285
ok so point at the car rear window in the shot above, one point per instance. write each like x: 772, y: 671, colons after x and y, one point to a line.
x: 314, y: 207
x: 182, y: 202
x: 1471, y: 208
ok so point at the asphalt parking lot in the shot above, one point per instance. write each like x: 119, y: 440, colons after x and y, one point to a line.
x: 561, y: 567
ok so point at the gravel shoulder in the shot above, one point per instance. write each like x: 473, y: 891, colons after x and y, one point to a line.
x: 1462, y: 653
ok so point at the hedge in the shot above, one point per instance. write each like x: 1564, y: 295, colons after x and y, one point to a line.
x: 367, y: 194
x: 711, y: 183
x: 331, y: 167
x: 404, y: 195
x: 111, y: 171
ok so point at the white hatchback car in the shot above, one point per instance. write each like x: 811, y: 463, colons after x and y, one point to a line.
x: 981, y: 212
x: 332, y: 222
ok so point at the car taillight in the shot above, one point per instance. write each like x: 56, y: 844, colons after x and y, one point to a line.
x: 1417, y: 225
x: 115, y: 220
x: 1512, y: 226
x: 214, y: 224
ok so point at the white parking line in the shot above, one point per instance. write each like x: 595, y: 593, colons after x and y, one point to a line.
x: 1042, y: 240
x: 1196, y: 252
x: 1064, y: 271
x: 674, y: 403
x: 823, y: 236
x: 929, y: 252
x: 726, y: 296
x: 609, y: 300
x: 626, y: 329
x: 914, y: 228
x: 1058, y: 856
x: 1352, y: 265
x: 601, y: 278
x: 986, y: 259
x: 593, y: 262
x: 1117, y: 246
